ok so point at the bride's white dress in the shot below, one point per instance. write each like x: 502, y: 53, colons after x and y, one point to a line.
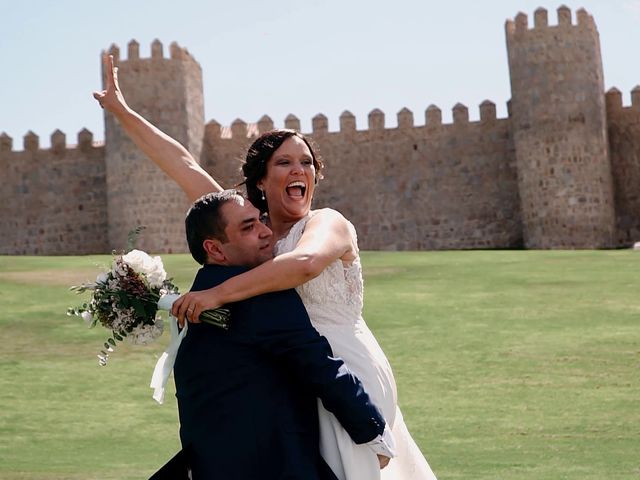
x: 334, y: 301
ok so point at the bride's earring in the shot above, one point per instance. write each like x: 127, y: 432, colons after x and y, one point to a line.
x: 263, y: 197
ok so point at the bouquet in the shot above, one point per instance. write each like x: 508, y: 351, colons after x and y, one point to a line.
x: 126, y: 300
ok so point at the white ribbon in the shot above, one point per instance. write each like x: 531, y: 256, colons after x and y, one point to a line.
x: 164, y: 366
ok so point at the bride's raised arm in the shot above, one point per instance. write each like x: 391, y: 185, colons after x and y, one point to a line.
x: 163, y: 150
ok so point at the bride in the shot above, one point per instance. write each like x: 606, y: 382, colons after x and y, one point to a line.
x: 316, y: 253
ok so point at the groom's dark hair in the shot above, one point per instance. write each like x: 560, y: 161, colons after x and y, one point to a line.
x: 205, y: 221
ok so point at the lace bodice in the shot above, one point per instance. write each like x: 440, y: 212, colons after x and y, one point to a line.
x: 336, y: 295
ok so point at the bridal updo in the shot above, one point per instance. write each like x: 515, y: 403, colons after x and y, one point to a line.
x: 254, y: 168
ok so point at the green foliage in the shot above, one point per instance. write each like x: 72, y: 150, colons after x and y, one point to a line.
x: 132, y: 237
x: 514, y: 365
x: 218, y: 317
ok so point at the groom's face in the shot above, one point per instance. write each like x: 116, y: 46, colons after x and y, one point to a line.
x: 249, y: 240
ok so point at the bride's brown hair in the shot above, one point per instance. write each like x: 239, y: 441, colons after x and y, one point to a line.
x: 255, y: 166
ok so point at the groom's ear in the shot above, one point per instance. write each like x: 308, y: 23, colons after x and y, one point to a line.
x: 214, y: 251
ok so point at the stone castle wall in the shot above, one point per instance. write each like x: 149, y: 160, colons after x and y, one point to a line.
x: 624, y: 143
x: 563, y: 171
x: 559, y: 129
x: 408, y: 188
x: 167, y: 92
x: 53, y: 201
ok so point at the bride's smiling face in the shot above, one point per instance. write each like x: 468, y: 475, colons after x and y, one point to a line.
x: 290, y: 180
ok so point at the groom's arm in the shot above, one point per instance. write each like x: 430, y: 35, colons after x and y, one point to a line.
x: 281, y: 327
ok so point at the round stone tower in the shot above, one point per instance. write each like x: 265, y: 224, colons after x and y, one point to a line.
x: 168, y: 92
x: 558, y: 120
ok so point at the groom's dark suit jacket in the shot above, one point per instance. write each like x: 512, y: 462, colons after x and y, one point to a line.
x: 247, y: 396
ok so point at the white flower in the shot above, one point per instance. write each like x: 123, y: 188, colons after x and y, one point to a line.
x: 151, y: 267
x: 138, y: 260
x: 87, y: 317
x: 144, y: 334
x: 102, y: 278
x: 158, y: 275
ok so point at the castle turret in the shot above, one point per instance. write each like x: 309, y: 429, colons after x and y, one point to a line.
x: 168, y: 92
x: 559, y: 128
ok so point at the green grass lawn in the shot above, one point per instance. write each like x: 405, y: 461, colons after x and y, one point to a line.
x: 510, y: 365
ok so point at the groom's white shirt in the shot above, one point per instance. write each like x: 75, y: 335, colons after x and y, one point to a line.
x: 384, y: 444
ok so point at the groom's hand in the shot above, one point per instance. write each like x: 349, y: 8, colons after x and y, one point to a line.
x: 384, y: 461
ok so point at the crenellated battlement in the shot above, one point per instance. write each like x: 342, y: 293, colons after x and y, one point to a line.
x: 347, y: 122
x: 176, y: 52
x: 614, y: 101
x: 519, y: 26
x: 31, y: 142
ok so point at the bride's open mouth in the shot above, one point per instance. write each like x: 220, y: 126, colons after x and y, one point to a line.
x: 296, y: 189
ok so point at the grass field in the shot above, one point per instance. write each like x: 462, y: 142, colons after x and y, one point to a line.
x: 510, y: 365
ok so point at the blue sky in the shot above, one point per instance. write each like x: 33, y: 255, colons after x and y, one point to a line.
x: 278, y: 57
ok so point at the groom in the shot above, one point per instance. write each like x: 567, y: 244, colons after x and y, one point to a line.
x: 247, y: 395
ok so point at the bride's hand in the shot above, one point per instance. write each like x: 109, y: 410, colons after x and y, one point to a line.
x: 111, y: 99
x: 190, y: 305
